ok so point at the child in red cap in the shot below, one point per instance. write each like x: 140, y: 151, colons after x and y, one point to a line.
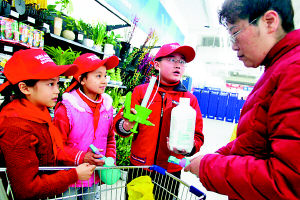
x: 28, y: 139
x: 150, y: 145
x: 85, y: 114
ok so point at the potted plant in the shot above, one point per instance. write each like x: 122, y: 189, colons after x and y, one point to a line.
x: 64, y: 5
x: 69, y: 27
x: 110, y: 42
x: 99, y: 34
x: 88, y: 33
x: 79, y: 33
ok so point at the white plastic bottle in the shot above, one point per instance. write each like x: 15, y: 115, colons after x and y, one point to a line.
x: 182, y: 129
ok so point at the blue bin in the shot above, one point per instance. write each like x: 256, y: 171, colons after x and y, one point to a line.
x: 197, y: 93
x: 212, y: 104
x: 204, y: 102
x: 187, y: 82
x: 239, y: 106
x: 222, y: 105
x: 231, y: 107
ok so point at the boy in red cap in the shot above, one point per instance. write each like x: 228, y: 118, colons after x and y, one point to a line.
x: 85, y: 116
x: 150, y: 144
x: 28, y: 139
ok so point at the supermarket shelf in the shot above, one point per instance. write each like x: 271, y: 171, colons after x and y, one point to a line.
x: 52, y: 40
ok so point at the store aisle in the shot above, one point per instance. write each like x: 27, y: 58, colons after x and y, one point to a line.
x: 216, y: 134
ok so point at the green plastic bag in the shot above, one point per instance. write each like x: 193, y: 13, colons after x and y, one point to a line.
x: 140, y: 188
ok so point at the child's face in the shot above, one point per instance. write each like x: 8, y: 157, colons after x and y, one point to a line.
x: 170, y: 71
x: 95, y: 82
x: 44, y: 92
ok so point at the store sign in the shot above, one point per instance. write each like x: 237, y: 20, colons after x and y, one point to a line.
x: 151, y: 14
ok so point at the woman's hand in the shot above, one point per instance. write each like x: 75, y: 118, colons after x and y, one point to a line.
x: 194, y: 166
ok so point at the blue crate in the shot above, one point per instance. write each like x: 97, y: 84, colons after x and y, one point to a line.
x: 204, y: 102
x: 187, y: 82
x: 239, y: 106
x: 231, y: 107
x: 212, y: 104
x: 222, y: 105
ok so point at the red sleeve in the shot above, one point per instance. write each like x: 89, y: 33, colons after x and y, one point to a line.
x: 226, y: 149
x: 275, y: 173
x: 61, y: 121
x: 111, y: 144
x: 22, y: 167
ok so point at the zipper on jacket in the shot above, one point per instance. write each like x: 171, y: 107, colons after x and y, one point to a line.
x: 160, y: 124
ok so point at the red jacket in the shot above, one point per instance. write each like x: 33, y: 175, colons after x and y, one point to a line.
x: 149, y: 145
x: 264, y: 161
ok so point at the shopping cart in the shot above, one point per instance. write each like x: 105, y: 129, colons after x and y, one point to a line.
x: 163, y: 182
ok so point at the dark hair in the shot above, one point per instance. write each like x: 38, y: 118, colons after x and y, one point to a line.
x: 12, y: 92
x: 233, y: 10
x: 84, y: 75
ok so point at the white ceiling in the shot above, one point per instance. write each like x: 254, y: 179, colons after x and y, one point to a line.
x: 192, y: 15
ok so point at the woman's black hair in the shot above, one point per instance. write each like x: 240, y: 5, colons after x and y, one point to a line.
x: 12, y: 92
x: 233, y: 10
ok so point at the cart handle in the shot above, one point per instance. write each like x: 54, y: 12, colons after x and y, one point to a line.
x: 197, y: 192
x: 158, y: 169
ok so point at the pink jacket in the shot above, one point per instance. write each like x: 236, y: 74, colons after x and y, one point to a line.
x: 82, y: 134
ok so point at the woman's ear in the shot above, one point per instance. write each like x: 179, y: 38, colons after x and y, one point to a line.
x: 272, y: 21
x: 24, y: 88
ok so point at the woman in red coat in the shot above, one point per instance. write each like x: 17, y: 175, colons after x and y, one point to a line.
x: 263, y: 162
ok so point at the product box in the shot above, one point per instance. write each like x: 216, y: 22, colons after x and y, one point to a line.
x: 9, y: 29
x: 38, y: 38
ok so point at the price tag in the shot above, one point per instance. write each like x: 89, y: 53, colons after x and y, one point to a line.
x: 14, y: 14
x: 46, y: 26
x: 31, y: 20
x: 80, y: 36
x: 8, y: 49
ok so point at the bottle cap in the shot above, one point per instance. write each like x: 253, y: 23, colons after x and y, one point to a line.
x: 109, y: 162
x: 185, y: 101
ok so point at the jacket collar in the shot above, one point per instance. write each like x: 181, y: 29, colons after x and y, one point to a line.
x: 290, y: 41
x: 179, y: 87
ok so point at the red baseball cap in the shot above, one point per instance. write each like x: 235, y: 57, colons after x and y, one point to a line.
x: 89, y: 62
x: 33, y: 64
x: 167, y: 49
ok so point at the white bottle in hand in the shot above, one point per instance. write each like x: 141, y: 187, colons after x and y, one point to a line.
x: 182, y: 129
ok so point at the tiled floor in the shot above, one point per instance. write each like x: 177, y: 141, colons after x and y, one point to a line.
x: 216, y: 134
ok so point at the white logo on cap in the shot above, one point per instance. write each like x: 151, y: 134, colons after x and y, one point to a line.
x: 174, y: 46
x: 93, y: 57
x: 44, y: 58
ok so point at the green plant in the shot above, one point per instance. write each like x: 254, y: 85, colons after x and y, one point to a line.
x: 99, y: 33
x: 70, y: 23
x: 87, y: 30
x: 64, y: 5
x: 61, y: 57
x: 79, y: 24
x: 123, y: 147
x: 111, y: 74
x: 112, y: 38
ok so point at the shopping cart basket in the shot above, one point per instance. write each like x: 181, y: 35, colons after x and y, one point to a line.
x: 162, y: 180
